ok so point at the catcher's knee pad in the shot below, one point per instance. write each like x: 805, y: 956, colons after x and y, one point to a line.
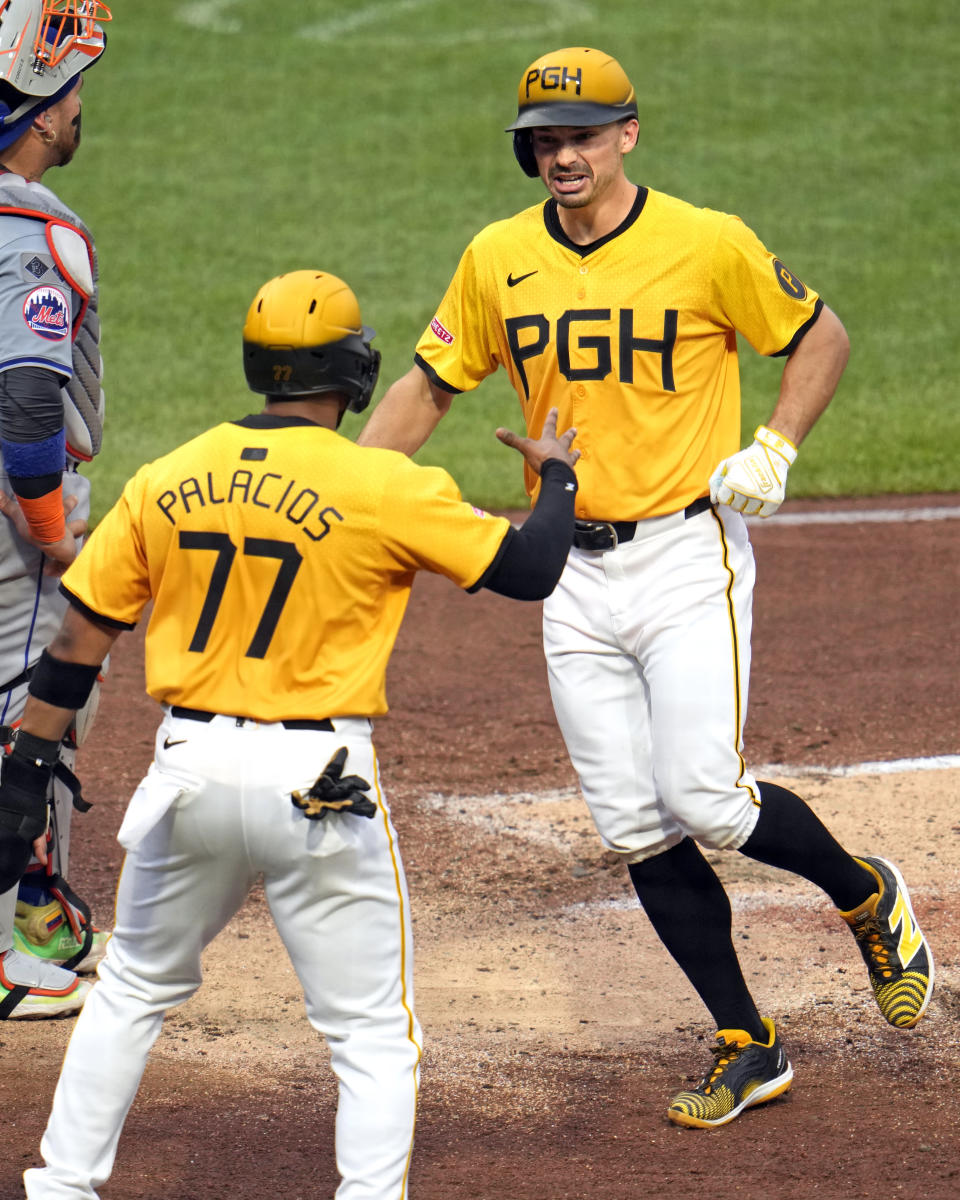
x: 14, y: 855
x: 23, y: 816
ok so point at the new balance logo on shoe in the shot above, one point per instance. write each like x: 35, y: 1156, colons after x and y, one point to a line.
x: 900, y: 967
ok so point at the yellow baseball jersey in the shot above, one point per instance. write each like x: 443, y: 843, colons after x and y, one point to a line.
x: 632, y: 339
x: 279, y: 557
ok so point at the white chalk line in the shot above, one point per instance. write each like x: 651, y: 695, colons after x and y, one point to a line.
x: 898, y: 766
x: 856, y: 516
x: 377, y: 22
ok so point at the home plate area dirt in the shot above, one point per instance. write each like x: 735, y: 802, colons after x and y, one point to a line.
x: 556, y: 1030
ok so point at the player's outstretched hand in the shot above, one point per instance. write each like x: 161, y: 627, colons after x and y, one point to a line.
x: 548, y: 445
x: 58, y: 555
x: 754, y: 481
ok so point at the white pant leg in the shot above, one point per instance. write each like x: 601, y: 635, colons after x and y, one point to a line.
x: 602, y: 706
x: 178, y: 888
x: 344, y: 915
x: 336, y: 890
x: 648, y: 652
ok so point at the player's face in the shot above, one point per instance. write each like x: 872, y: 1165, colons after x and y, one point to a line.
x: 65, y: 123
x: 579, y: 163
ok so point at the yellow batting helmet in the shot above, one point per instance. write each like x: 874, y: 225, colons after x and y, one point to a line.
x: 574, y: 86
x: 303, y: 335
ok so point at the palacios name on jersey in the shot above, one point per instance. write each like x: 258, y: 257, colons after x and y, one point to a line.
x: 299, y: 504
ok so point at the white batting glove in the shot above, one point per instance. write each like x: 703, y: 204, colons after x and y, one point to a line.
x: 754, y: 481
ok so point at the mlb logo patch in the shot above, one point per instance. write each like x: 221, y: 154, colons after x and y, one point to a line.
x: 34, y: 265
x: 47, y: 314
x: 443, y: 334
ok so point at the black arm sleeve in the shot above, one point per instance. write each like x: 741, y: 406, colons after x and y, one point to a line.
x: 31, y: 408
x: 531, y: 559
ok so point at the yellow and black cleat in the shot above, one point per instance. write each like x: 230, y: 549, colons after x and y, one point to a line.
x: 744, y: 1073
x: 893, y: 947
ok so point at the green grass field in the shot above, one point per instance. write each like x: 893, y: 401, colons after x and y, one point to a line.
x: 226, y: 141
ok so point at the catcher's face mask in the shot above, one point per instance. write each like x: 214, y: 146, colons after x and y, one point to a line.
x: 45, y: 43
x: 304, y: 335
x: 575, y: 86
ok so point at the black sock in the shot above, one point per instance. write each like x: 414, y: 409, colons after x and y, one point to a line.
x: 788, y: 834
x: 690, y: 911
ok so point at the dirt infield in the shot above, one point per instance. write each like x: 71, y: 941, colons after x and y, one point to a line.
x: 555, y: 1029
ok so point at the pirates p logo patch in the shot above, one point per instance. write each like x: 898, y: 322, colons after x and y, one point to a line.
x: 789, y: 283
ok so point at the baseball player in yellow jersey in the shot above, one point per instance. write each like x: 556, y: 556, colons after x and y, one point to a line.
x: 279, y: 558
x: 620, y: 307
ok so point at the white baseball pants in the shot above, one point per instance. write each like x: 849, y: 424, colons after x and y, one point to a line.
x: 213, y: 813
x: 648, y: 656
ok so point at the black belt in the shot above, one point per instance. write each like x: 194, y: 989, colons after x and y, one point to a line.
x: 200, y: 714
x: 607, y: 535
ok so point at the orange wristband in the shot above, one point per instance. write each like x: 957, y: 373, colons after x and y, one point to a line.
x: 45, y: 515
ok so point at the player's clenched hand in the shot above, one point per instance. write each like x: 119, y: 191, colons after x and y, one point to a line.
x: 60, y: 554
x: 754, y: 481
x: 548, y: 445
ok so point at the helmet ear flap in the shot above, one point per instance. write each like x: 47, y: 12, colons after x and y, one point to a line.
x: 523, y: 149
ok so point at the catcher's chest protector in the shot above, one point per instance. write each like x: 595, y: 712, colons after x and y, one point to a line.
x: 71, y: 245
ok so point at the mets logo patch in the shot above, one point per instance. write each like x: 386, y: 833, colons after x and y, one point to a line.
x: 789, y: 283
x: 46, y: 312
x: 443, y: 334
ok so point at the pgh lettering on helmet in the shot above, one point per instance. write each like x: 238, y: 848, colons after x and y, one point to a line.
x: 304, y: 335
x: 554, y: 77
x: 574, y: 86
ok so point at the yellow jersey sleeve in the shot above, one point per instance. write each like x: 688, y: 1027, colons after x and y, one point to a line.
x: 756, y: 293
x: 460, y: 345
x: 110, y: 575
x: 426, y: 525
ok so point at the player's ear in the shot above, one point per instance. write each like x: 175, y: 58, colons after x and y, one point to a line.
x: 629, y: 133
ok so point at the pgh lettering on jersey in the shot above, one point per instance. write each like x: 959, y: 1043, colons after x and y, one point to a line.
x: 280, y: 558
x: 633, y: 339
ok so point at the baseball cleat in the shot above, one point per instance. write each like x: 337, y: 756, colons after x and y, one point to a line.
x: 53, y: 992
x: 900, y: 964
x: 45, y: 931
x: 745, y: 1073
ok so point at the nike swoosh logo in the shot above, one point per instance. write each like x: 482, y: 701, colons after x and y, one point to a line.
x: 167, y: 743
x: 511, y: 282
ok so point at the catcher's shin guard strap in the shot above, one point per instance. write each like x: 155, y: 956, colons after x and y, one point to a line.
x: 63, y: 684
x: 77, y: 912
x: 12, y: 999
x: 63, y: 774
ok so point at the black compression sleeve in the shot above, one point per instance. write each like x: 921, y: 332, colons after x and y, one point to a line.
x: 31, y: 408
x: 532, y: 558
